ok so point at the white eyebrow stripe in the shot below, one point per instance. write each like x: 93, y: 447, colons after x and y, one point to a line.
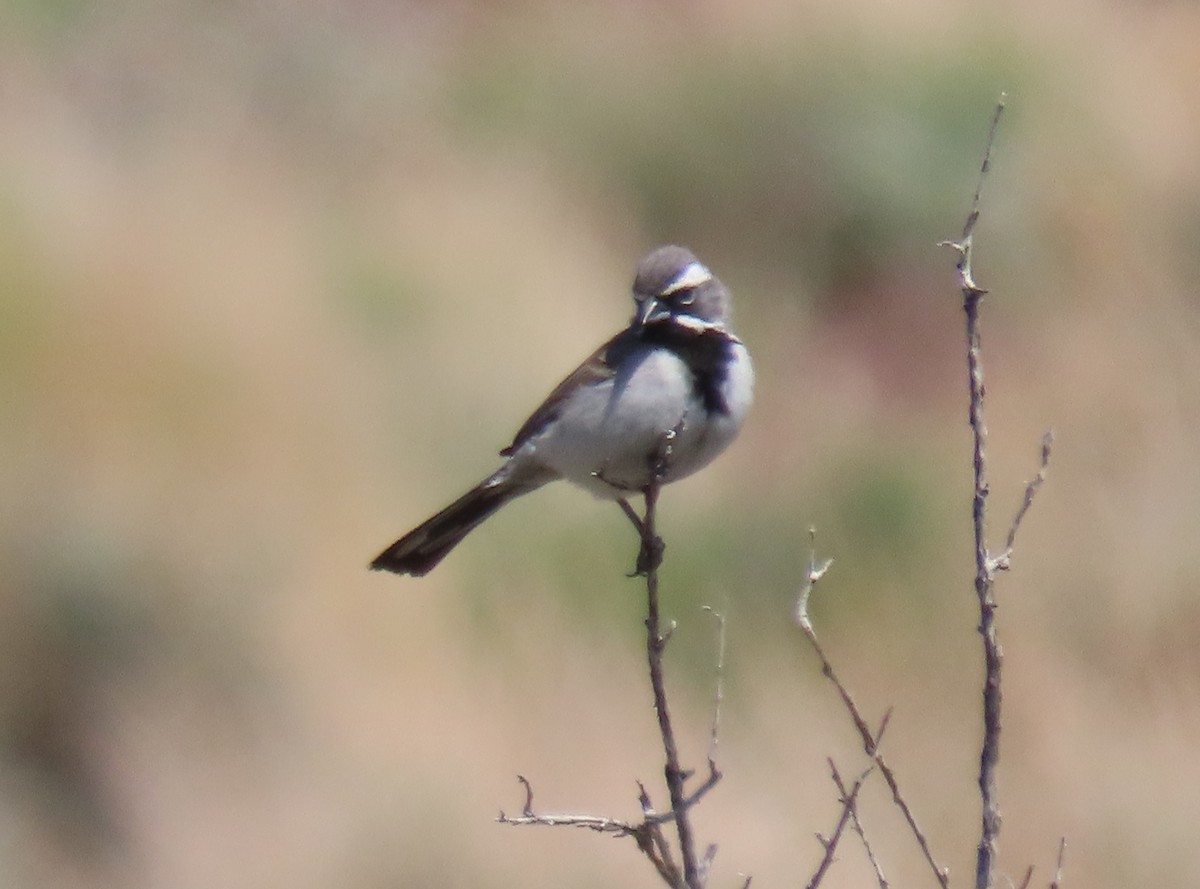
x: 693, y: 275
x: 699, y: 326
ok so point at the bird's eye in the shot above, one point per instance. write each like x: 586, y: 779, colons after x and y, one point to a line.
x: 685, y: 297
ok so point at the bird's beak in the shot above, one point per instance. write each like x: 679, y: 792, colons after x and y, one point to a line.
x: 649, y: 311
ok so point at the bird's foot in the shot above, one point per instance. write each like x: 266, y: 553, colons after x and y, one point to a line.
x: 650, y: 555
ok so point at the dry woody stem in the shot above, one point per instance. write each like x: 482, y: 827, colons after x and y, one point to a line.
x: 986, y: 564
x: 691, y: 871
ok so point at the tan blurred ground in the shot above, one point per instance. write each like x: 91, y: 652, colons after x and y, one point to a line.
x: 276, y: 281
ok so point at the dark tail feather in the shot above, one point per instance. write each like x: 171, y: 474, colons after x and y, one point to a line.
x: 420, y: 550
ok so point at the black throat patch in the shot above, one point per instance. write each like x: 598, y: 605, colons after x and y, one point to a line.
x: 706, y: 351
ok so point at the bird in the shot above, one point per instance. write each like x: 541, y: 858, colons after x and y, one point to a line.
x: 656, y: 403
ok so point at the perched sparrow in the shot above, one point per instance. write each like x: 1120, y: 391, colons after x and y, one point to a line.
x: 676, y: 374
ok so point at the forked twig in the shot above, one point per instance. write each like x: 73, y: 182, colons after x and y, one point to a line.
x: 830, y: 844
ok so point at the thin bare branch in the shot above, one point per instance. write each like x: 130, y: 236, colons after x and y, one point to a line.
x: 856, y: 824
x: 941, y: 874
x: 598, y: 823
x: 591, y: 822
x: 870, y: 740
x: 989, y: 756
x: 655, y: 645
x: 655, y: 846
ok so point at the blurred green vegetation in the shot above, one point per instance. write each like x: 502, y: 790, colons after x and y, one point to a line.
x: 278, y: 281
x: 787, y: 159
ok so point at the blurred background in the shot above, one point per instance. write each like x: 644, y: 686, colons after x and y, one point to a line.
x: 277, y: 280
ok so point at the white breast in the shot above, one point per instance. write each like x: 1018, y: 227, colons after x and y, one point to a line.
x: 606, y: 435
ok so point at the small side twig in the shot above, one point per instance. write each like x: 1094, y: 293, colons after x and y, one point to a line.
x: 830, y: 844
x: 1058, y: 866
x: 714, y: 738
x: 597, y: 823
x: 1002, y: 561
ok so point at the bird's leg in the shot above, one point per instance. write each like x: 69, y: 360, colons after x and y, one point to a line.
x: 631, y: 514
x: 650, y: 554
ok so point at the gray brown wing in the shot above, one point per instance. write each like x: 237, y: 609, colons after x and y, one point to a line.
x: 596, y: 369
